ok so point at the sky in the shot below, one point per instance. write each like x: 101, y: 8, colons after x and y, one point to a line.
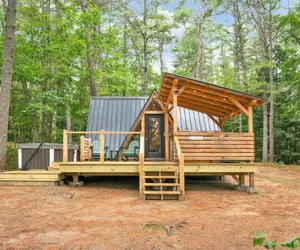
x: 224, y: 19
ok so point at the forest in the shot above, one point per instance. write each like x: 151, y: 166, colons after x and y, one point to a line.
x: 68, y: 50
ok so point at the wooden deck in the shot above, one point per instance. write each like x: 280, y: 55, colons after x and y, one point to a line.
x: 132, y: 168
x: 31, y: 178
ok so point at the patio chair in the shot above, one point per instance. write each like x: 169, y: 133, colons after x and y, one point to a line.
x: 96, y: 151
x: 132, y: 150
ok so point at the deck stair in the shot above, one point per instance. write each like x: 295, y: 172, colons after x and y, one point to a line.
x: 31, y: 177
x: 161, y: 184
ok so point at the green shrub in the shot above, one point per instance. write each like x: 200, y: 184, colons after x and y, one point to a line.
x: 259, y: 239
x: 11, y: 156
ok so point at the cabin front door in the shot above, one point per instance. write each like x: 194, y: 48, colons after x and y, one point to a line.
x: 154, y: 136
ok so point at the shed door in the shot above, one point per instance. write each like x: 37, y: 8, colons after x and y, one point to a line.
x: 154, y: 136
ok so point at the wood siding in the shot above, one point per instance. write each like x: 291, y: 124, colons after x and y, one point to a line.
x: 217, y: 146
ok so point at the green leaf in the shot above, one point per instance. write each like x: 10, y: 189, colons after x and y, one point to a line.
x: 258, y: 239
x: 271, y: 244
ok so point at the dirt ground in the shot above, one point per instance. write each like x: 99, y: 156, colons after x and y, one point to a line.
x: 107, y: 214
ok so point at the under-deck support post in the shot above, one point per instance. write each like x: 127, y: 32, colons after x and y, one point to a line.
x: 251, y: 180
x: 65, y: 146
x: 251, y: 189
x: 242, y: 179
x: 101, y: 146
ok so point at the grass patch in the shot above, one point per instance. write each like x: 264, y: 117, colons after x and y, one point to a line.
x: 280, y: 165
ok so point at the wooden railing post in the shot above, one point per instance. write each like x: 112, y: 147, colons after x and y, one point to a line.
x: 89, y: 149
x: 101, y: 146
x: 181, y: 169
x: 65, y: 146
x: 142, y: 157
x: 82, y: 148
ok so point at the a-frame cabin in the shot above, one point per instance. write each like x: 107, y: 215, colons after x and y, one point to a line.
x: 180, y: 132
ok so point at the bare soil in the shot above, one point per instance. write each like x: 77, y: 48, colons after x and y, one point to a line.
x: 107, y: 214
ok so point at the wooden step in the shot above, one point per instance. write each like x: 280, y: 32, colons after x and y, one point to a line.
x: 161, y: 184
x: 162, y: 192
x: 161, y: 177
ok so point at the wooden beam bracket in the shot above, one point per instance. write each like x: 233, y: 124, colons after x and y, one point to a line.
x: 239, y: 105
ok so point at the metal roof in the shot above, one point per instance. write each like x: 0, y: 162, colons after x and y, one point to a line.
x: 120, y: 113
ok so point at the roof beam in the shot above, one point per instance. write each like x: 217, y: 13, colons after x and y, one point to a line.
x: 170, y: 95
x: 212, y: 106
x: 184, y: 87
x: 207, y: 89
x: 214, y: 119
x: 201, y: 94
x: 201, y: 109
x: 239, y: 105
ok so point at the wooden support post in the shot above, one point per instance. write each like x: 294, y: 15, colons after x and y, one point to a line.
x: 250, y: 119
x: 142, y: 157
x: 242, y: 179
x: 222, y: 122
x: 75, y: 178
x: 167, y: 143
x: 250, y: 122
x: 101, y: 146
x: 182, y: 185
x: 251, y: 180
x: 65, y: 146
x: 175, y: 106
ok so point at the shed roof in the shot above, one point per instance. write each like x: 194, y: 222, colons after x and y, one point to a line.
x: 120, y: 113
x: 205, y: 97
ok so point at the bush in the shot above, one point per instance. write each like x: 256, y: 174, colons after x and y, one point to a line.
x: 259, y: 239
x: 11, y: 157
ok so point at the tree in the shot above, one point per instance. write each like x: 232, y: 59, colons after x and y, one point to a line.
x: 262, y: 14
x: 8, y: 55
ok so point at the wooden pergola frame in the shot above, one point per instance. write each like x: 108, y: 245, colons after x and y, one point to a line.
x: 220, y: 104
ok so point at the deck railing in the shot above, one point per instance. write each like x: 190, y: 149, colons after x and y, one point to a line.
x: 217, y: 146
x: 181, y: 166
x: 84, y: 143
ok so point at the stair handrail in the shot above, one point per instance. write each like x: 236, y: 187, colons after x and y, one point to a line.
x: 181, y: 166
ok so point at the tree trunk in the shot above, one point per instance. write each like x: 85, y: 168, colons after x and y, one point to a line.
x: 35, y: 132
x: 8, y: 55
x: 265, y: 133
x: 160, y: 51
x: 199, y: 53
x: 92, y: 54
x: 69, y: 122
x: 145, y: 51
x: 271, y: 72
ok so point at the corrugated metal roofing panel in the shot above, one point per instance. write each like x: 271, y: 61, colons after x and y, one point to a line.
x: 113, y: 114
x: 120, y: 114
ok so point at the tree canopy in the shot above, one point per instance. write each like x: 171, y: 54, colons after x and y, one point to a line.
x: 66, y: 51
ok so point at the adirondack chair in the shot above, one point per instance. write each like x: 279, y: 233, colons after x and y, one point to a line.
x: 96, y: 151
x: 132, y: 150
